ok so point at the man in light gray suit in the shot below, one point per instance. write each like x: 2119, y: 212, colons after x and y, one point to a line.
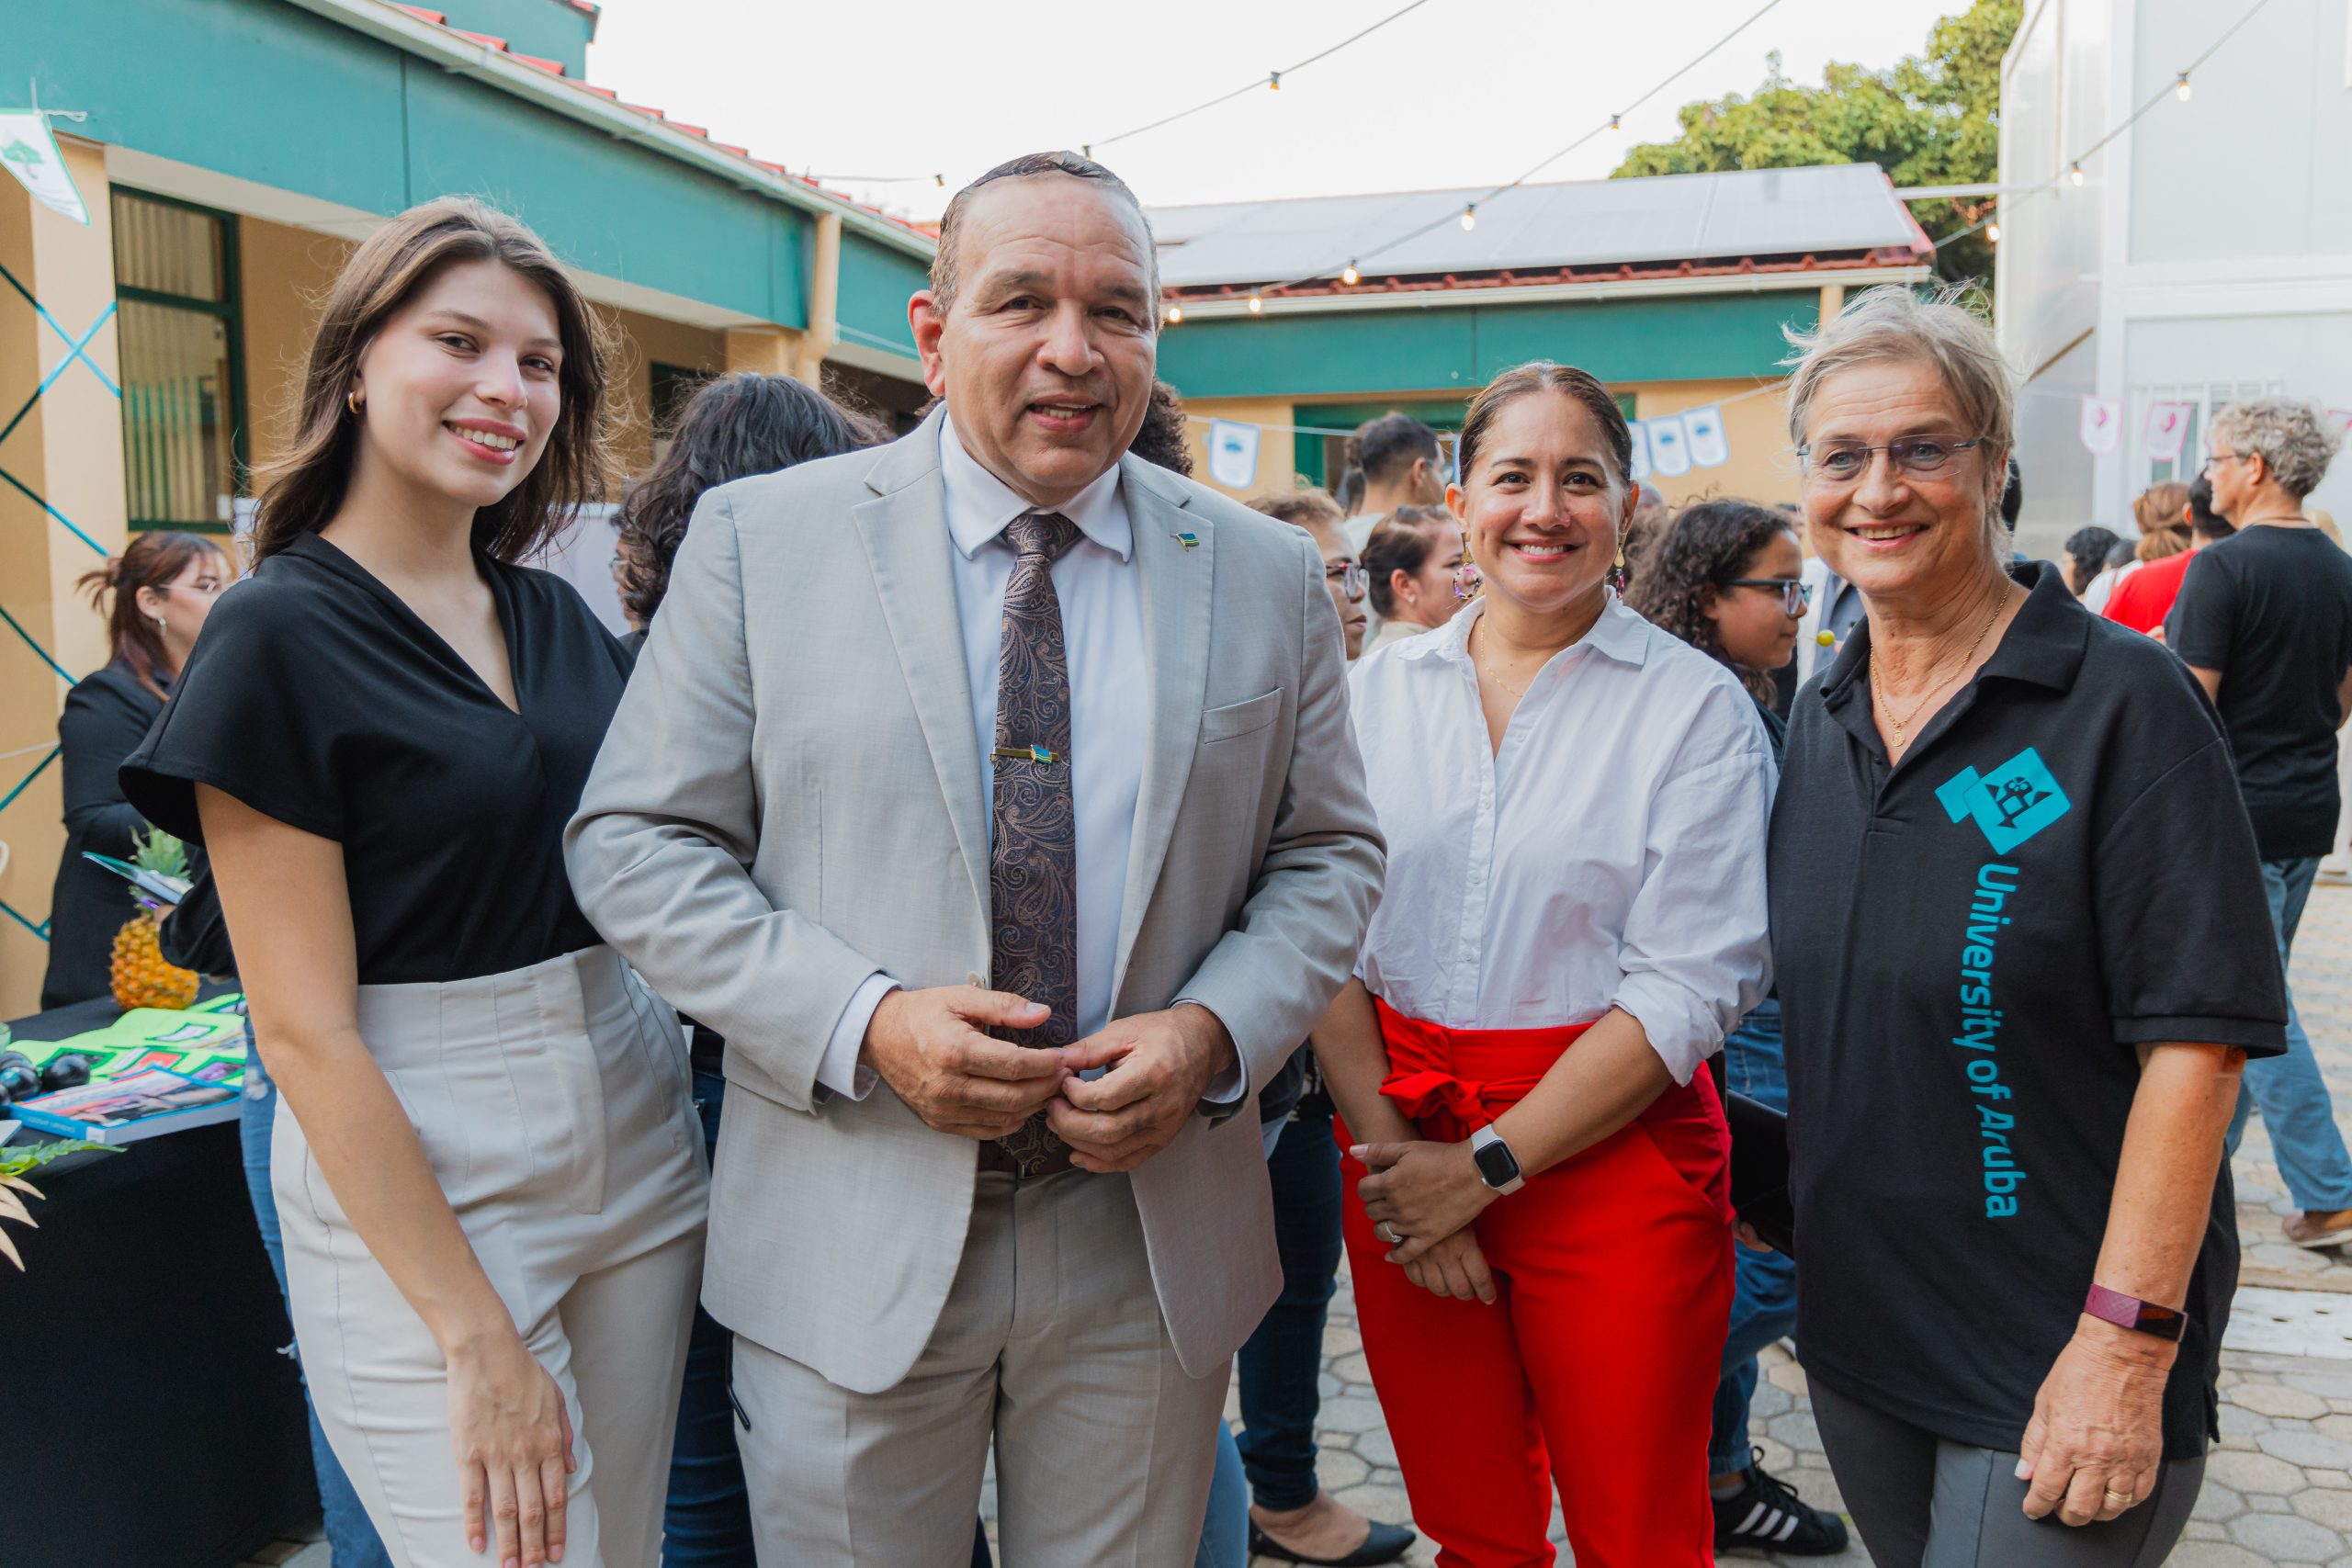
x: 993, y: 793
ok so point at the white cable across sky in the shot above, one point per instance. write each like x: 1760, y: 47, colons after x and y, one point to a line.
x: 1271, y: 78
x: 1470, y: 210
x: 2177, y: 86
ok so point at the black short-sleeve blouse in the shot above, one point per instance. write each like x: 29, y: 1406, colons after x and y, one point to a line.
x: 316, y: 696
x: 1971, y: 948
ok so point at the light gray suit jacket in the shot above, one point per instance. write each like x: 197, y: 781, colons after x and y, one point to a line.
x: 790, y: 798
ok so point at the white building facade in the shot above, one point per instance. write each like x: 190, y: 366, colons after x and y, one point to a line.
x: 2205, y: 254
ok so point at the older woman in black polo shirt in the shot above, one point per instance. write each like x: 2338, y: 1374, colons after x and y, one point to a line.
x: 2016, y: 1229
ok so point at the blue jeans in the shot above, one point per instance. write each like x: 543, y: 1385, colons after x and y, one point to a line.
x: 1281, y: 1363
x: 2295, y: 1104
x: 708, y: 1523
x: 351, y: 1539
x: 1764, y: 1293
x: 1225, y: 1533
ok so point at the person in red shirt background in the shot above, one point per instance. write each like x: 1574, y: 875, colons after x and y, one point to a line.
x: 2143, y: 599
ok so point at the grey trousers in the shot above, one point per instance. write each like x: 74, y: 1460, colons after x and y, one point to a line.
x: 1051, y: 1343
x: 552, y: 1104
x: 1922, y: 1502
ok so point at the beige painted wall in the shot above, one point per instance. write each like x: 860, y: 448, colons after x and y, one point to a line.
x: 643, y: 342
x: 1761, y: 467
x: 1274, y: 446
x: 68, y: 449
x: 282, y: 278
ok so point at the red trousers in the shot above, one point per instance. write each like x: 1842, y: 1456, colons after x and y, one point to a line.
x: 1596, y: 1367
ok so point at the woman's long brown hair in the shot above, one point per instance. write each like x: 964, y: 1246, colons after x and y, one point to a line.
x: 306, y: 486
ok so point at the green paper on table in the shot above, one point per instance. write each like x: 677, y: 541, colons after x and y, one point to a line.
x: 205, y: 1045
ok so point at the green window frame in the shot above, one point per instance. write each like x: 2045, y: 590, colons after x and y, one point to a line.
x: 176, y: 432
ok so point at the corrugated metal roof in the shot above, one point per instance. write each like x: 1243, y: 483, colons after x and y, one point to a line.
x: 1668, y: 218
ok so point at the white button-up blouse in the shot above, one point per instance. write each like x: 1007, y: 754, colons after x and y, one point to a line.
x: 1610, y: 853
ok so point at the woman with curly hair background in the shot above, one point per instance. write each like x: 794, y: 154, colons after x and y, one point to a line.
x: 1723, y: 577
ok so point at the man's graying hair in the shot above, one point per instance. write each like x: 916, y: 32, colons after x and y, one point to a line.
x: 945, y: 261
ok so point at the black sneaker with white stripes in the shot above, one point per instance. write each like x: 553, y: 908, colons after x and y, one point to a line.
x: 1767, y: 1515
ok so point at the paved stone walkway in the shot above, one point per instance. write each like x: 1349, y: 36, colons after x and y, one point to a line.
x: 2278, y: 1491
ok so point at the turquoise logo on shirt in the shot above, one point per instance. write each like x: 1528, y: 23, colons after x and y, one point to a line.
x: 2011, y: 804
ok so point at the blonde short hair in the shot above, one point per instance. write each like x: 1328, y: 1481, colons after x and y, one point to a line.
x: 1941, y: 331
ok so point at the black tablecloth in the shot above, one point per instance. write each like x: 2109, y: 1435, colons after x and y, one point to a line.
x: 149, y: 1417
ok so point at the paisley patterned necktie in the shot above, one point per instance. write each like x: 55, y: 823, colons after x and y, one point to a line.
x: 1033, y: 866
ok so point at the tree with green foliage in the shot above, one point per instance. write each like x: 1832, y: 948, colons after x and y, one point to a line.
x: 1930, y: 119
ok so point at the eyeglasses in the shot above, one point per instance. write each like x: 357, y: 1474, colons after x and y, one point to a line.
x: 1794, y: 596
x: 2214, y: 458
x: 1918, y: 454
x: 1351, y: 577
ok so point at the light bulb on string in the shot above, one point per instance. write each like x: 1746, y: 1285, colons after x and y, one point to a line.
x: 1257, y: 303
x: 1993, y: 233
x: 1614, y: 122
x: 1348, y: 274
x: 2075, y: 174
x: 1273, y: 81
x: 939, y: 180
x: 1470, y: 217
x: 2181, y: 88
x: 1175, y: 314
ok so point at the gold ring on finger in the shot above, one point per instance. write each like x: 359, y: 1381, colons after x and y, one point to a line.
x: 2119, y: 1499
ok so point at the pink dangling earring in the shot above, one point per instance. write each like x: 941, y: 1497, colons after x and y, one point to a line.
x: 1617, y: 572
x: 1466, y: 579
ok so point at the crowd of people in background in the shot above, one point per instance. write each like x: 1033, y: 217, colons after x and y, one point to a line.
x: 1635, y: 884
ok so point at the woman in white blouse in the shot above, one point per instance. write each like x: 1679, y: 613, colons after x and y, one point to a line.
x: 1575, y: 805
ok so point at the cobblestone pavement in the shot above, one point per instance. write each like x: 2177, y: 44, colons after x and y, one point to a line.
x: 2278, y: 1489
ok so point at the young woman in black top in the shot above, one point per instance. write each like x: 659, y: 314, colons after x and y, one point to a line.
x: 155, y: 594
x: 486, y: 1168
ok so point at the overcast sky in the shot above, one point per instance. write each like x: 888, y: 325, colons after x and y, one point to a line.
x: 1459, y: 93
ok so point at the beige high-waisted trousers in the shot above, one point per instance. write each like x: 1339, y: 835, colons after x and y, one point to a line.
x: 554, y: 1104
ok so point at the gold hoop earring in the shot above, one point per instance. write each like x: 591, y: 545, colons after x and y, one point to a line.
x: 354, y: 399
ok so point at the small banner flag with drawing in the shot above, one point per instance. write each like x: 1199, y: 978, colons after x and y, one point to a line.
x: 2102, y: 424
x: 30, y: 153
x: 1640, y: 469
x: 1233, y: 452
x: 1709, y: 447
x: 2167, y: 430
x: 1669, y: 445
x: 2340, y: 421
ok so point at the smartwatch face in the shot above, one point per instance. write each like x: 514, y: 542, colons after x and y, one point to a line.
x: 1496, y: 1165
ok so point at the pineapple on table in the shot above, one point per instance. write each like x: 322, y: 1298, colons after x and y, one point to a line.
x: 142, y: 979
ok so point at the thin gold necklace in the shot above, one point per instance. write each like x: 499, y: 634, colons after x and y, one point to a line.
x: 1878, y: 689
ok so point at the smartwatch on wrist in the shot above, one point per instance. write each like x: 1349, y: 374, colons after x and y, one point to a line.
x: 2130, y: 1312
x: 1498, y: 1166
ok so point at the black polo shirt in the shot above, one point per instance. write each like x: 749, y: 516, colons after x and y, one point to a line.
x: 1970, y: 948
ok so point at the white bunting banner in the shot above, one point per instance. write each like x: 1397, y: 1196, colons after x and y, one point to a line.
x: 1669, y: 445
x: 1641, y: 465
x: 1233, y: 453
x: 2102, y: 424
x: 2167, y: 430
x: 30, y: 153
x: 1710, y: 449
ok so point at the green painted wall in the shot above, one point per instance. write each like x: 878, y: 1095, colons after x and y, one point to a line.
x: 876, y: 283
x: 268, y: 92
x: 1697, y: 338
x: 552, y: 29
